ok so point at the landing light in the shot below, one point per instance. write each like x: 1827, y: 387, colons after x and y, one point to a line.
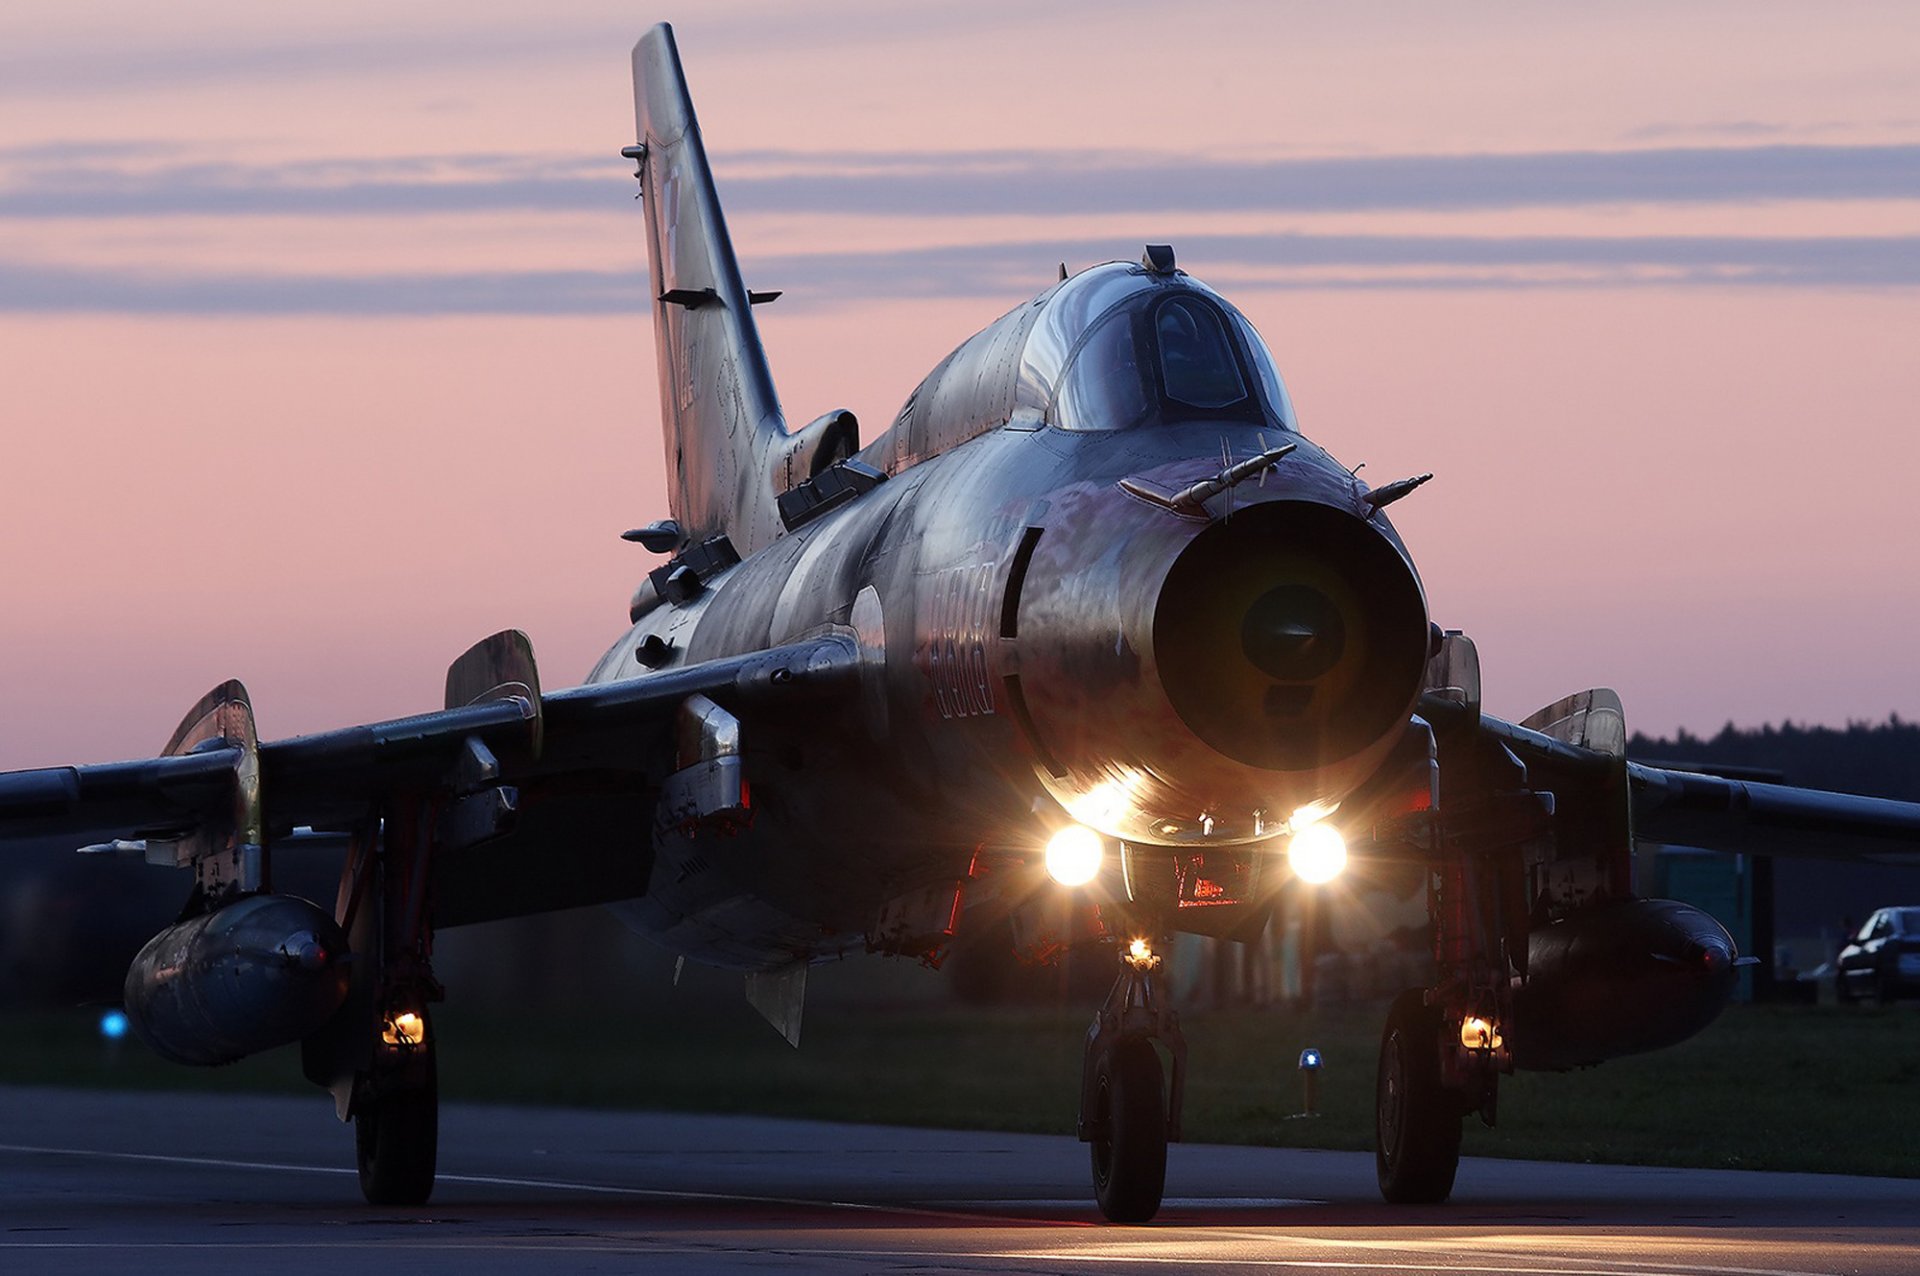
x: 1479, y: 1034
x: 1311, y: 813
x: 404, y: 1029
x: 1073, y: 855
x: 1317, y: 853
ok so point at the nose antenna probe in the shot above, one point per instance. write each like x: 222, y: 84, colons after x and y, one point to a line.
x: 1192, y: 500
x: 1381, y: 497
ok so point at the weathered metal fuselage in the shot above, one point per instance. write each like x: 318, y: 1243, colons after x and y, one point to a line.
x: 1050, y: 637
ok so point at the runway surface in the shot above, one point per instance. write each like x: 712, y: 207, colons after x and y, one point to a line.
x: 113, y: 1182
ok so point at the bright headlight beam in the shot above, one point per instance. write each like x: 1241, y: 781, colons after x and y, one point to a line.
x: 1311, y: 813
x: 1074, y: 854
x: 1317, y: 853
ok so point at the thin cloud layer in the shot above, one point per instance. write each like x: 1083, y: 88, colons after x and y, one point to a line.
x: 409, y: 43
x: 41, y: 184
x: 815, y: 280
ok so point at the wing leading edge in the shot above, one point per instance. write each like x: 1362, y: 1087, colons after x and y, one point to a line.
x: 1721, y: 813
x: 1716, y: 813
x: 567, y: 762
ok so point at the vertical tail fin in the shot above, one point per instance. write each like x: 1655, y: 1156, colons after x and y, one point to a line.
x: 718, y: 408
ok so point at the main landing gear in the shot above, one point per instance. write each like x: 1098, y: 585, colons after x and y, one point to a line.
x: 377, y: 1055
x: 396, y: 1098
x: 396, y: 1129
x: 1438, y: 1064
x: 1129, y: 1107
x: 1416, y: 1118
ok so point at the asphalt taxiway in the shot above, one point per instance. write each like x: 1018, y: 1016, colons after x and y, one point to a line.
x: 157, y: 1183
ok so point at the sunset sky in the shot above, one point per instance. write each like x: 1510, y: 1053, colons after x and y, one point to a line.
x: 324, y: 348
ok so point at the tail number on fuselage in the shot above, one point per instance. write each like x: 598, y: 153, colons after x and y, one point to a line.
x: 961, y: 602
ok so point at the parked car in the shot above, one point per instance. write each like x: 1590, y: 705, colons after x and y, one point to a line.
x: 1883, y: 959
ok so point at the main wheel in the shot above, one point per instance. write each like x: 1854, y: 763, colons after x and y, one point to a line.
x: 1130, y: 1160
x: 397, y: 1139
x: 1416, y: 1119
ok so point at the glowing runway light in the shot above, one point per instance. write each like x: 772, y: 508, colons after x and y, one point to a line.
x: 1310, y: 1063
x: 1073, y: 855
x: 1317, y: 853
x: 113, y: 1025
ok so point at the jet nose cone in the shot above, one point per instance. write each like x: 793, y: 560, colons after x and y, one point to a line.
x: 1293, y: 633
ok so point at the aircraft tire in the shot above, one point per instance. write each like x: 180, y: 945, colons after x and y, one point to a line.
x: 1416, y: 1120
x: 1130, y: 1163
x: 397, y: 1139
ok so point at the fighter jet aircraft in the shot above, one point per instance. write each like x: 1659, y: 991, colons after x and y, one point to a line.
x: 1091, y: 630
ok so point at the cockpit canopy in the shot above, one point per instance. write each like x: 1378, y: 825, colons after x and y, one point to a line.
x: 1115, y: 347
x: 1146, y: 348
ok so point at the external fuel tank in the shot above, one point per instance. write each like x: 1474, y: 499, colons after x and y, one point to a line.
x: 261, y: 972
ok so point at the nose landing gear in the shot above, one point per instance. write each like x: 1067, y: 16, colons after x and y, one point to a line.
x: 1129, y: 1106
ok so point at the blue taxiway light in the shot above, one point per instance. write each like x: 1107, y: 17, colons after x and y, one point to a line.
x: 1309, y: 1059
x: 113, y: 1025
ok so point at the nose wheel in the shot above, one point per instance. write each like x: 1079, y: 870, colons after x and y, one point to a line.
x: 1129, y: 1105
x: 1130, y: 1150
x: 1416, y: 1118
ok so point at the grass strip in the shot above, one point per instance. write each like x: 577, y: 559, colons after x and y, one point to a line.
x: 1768, y: 1087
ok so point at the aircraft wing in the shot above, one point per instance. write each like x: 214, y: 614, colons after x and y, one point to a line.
x: 1684, y: 808
x: 552, y: 794
x: 1712, y: 812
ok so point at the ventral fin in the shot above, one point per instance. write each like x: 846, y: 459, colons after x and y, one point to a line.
x: 780, y: 996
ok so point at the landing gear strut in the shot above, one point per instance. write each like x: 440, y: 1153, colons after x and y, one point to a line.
x: 1128, y: 1110
x: 1416, y: 1118
x: 396, y: 1133
x: 396, y: 1099
x: 377, y: 1055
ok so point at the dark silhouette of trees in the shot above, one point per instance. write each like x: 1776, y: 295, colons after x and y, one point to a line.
x: 1880, y: 758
